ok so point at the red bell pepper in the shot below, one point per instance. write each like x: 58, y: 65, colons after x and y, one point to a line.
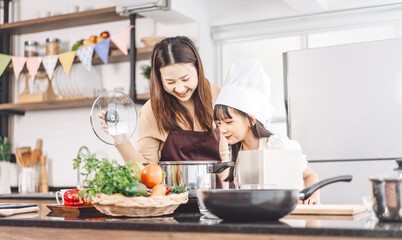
x: 73, y: 198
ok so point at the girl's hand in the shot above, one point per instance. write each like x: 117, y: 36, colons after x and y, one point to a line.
x: 311, y: 201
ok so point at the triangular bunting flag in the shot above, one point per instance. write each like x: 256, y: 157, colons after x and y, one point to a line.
x: 85, y: 56
x: 102, y: 49
x: 66, y: 60
x: 120, y: 39
x: 33, y: 64
x: 49, y: 63
x: 4, y: 61
x: 18, y: 65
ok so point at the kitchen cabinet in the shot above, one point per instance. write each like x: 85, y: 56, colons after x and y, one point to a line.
x: 96, y: 16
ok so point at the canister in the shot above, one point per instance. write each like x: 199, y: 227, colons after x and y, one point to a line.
x: 52, y: 46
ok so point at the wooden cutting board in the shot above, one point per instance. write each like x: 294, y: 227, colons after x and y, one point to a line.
x: 329, y: 209
x: 73, y: 211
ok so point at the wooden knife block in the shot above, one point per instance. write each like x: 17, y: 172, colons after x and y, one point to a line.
x: 47, y: 96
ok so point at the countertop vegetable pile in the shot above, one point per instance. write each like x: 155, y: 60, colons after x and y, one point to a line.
x: 130, y: 179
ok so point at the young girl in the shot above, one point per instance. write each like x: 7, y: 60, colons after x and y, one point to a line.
x: 243, y: 114
x: 177, y: 123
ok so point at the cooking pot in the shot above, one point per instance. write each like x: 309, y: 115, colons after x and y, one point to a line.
x: 193, y: 174
x: 387, y: 195
x: 244, y: 205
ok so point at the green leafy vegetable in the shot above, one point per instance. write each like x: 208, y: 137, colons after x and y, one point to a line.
x: 103, y: 176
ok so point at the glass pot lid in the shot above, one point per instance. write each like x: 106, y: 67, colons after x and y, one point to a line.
x: 113, y: 117
x: 395, y: 175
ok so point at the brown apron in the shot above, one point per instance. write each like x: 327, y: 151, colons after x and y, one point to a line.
x: 181, y: 145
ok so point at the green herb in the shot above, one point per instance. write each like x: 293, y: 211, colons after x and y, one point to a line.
x: 5, y: 147
x: 146, y: 71
x: 177, y: 189
x: 102, y: 176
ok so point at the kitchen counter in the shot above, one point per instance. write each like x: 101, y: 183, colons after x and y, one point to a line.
x: 44, y: 225
x: 46, y: 197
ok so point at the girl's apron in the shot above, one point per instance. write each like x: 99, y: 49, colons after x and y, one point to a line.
x: 181, y: 145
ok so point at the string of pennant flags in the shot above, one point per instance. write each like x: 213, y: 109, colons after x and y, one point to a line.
x: 66, y: 59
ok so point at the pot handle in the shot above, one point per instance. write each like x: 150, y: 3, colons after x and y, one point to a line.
x: 219, y: 167
x: 307, y: 192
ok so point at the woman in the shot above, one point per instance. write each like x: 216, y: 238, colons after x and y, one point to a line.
x: 176, y: 124
x: 243, y: 120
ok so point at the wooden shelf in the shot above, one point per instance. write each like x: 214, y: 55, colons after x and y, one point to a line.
x: 115, y: 56
x: 96, y: 16
x: 77, y: 19
x: 60, y: 104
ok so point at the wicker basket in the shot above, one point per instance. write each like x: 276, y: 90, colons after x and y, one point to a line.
x: 150, y: 42
x: 115, y: 205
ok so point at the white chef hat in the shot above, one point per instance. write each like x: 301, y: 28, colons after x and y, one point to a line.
x: 248, y: 89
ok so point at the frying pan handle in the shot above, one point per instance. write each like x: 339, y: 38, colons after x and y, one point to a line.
x: 307, y: 192
x: 220, y: 167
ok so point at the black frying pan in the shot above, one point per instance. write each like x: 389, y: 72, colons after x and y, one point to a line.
x: 262, y: 204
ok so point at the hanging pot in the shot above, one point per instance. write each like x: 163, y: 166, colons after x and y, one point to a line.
x: 387, y: 195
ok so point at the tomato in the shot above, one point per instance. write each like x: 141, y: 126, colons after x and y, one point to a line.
x: 151, y: 175
x: 105, y: 34
x: 92, y: 38
x: 158, y: 190
x: 136, y: 189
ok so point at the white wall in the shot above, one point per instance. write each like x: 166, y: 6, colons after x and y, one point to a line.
x: 350, y: 193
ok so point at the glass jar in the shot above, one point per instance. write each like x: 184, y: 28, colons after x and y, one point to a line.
x: 31, y: 49
x: 52, y: 46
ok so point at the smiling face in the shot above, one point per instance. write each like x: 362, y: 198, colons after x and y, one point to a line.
x: 179, y: 80
x: 234, y: 126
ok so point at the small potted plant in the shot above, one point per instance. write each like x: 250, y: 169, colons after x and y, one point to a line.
x: 5, y: 147
x: 146, y: 71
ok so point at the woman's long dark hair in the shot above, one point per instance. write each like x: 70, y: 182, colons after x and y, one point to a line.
x: 221, y: 112
x: 166, y: 107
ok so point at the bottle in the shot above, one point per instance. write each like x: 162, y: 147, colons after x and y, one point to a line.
x: 31, y: 49
x: 52, y: 46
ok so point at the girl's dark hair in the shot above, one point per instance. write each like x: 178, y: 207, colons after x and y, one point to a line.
x: 166, y: 107
x: 221, y: 112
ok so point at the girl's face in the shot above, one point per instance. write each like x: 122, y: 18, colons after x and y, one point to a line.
x: 180, y: 80
x: 235, y: 129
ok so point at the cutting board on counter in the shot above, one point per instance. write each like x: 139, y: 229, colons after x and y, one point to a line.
x: 328, y: 209
x: 73, y: 211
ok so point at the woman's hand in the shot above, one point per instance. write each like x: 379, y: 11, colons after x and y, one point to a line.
x: 104, y: 126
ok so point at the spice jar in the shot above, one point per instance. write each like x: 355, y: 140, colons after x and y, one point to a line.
x: 52, y: 46
x: 31, y: 49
